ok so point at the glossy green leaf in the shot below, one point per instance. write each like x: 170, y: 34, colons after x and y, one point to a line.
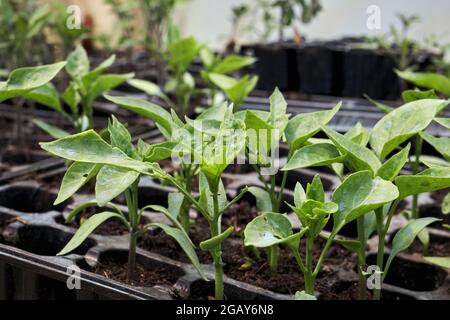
x: 105, y: 83
x: 76, y: 177
x: 120, y: 137
x: 232, y: 63
x: 23, y: 80
x: 314, y: 190
x: 316, y: 155
x: 160, y: 151
x: 86, y: 229
x: 304, y: 126
x: 436, y: 178
x: 358, y: 158
x: 392, y: 167
x: 278, y: 117
x: 78, y: 63
x: 358, y: 134
x: 381, y: 106
x: 146, y: 109
x: 413, y: 95
x: 53, y: 131
x: 299, y: 195
x: 46, y: 96
x: 360, y: 193
x: 89, y: 147
x: 111, y: 182
x: 267, y: 230
x: 148, y: 87
x: 402, y: 124
x: 405, y: 237
x: 442, y: 145
x: 434, y: 81
x: 263, y: 202
x: 212, y: 243
x: 432, y: 162
x: 446, y: 204
x: 445, y: 122
x: 443, y: 262
x: 182, y: 53
x: 185, y: 244
x: 72, y: 98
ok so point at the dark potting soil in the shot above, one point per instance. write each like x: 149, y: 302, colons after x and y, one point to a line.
x: 238, y: 216
x: 242, y: 264
x: 143, y: 276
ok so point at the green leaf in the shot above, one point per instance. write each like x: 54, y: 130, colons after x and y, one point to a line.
x: 160, y: 151
x: 182, y: 53
x: 146, y: 109
x: 111, y: 182
x: 267, y: 230
x: 446, y: 204
x: 445, y: 122
x: 72, y: 98
x: 357, y: 158
x: 432, y: 162
x: 436, y: 178
x: 442, y: 145
x: 148, y: 87
x: 314, y: 190
x: 184, y: 243
x: 278, y: 118
x: 53, y: 131
x: 304, y: 126
x: 434, y: 81
x: 402, y: 124
x: 381, y: 106
x: 299, y: 195
x: 119, y: 136
x: 78, y: 63
x: 414, y: 95
x: 392, y: 167
x: 213, y: 242
x: 46, y: 96
x: 443, y: 262
x: 23, y: 80
x: 86, y: 229
x: 358, y: 134
x: 316, y: 155
x: 359, y: 194
x: 105, y: 83
x: 263, y: 202
x: 232, y: 63
x: 76, y: 177
x: 405, y: 237
x: 89, y: 147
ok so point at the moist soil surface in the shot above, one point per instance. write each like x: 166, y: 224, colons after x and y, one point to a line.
x: 251, y: 266
x: 143, y: 276
x: 439, y: 247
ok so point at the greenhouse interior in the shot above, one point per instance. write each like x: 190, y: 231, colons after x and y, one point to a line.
x: 236, y: 150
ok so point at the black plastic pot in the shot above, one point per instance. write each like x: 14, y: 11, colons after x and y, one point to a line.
x: 274, y: 65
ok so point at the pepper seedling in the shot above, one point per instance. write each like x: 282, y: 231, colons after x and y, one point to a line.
x: 117, y: 167
x: 85, y: 87
x: 385, y: 138
x: 358, y: 195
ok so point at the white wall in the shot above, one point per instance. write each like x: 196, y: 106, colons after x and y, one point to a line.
x: 210, y: 20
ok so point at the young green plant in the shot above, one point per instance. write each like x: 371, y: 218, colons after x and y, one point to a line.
x: 117, y: 167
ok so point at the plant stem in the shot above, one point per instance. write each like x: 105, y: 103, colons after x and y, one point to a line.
x: 274, y: 253
x: 132, y: 256
x: 283, y: 182
x: 217, y: 252
x: 361, y: 259
x: 418, y: 143
x: 380, y: 253
x: 309, y: 276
